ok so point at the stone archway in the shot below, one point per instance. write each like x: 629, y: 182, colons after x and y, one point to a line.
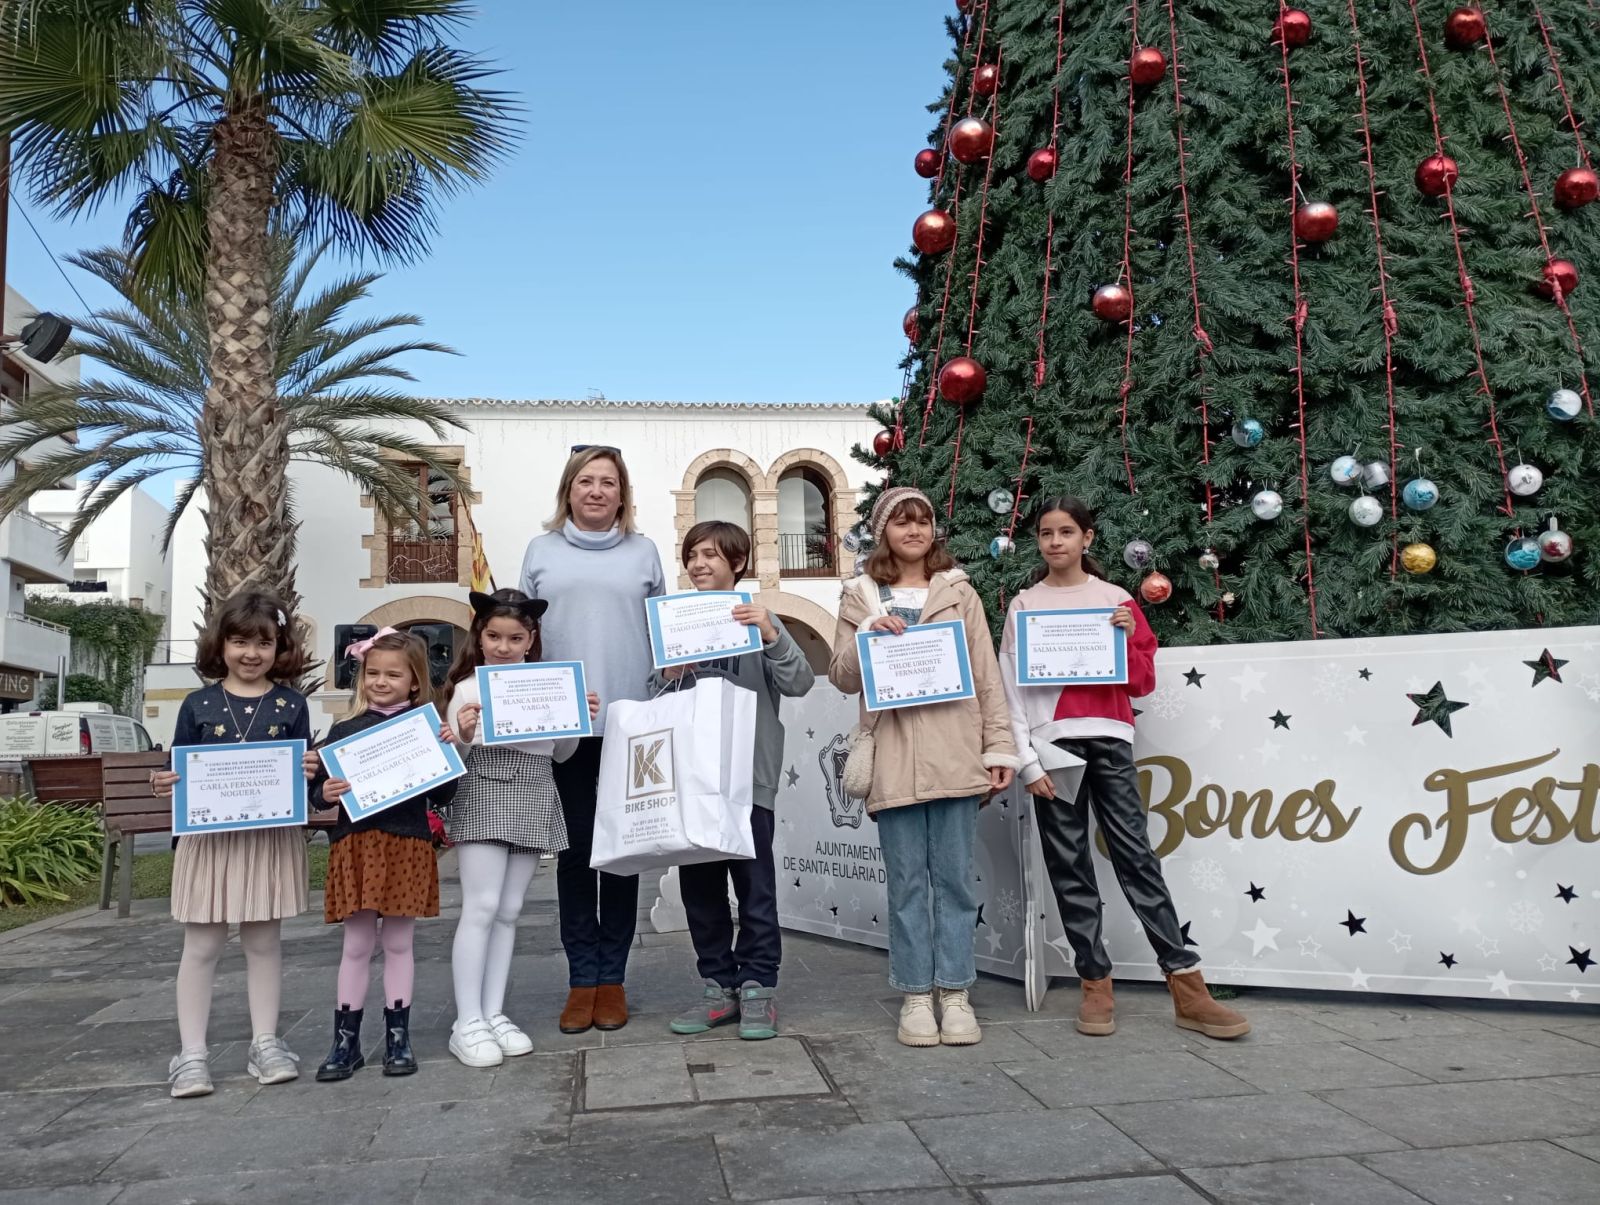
x: 811, y: 625
x: 403, y: 612
x: 842, y: 504
x: 763, y: 502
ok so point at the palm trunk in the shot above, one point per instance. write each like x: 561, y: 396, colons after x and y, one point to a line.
x: 244, y: 432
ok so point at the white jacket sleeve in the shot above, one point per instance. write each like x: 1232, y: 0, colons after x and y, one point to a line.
x: 1021, y: 733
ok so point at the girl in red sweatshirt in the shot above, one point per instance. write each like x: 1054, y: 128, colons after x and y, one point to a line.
x: 1076, y: 745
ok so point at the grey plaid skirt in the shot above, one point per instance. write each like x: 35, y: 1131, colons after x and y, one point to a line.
x: 508, y: 796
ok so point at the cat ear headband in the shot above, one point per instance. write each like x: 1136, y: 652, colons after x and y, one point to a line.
x: 483, y: 604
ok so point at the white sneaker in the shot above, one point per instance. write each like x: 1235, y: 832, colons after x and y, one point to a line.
x: 958, y: 1024
x: 917, y: 1026
x: 271, y: 1061
x: 474, y: 1044
x: 189, y: 1074
x: 512, y: 1040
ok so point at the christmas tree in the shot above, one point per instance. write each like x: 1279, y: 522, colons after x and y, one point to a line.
x: 1294, y: 298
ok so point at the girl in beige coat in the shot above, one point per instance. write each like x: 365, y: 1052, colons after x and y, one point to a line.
x: 933, y: 766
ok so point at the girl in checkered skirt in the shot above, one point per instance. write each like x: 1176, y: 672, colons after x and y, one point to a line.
x: 506, y: 813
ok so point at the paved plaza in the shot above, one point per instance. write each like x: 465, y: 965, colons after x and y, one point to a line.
x: 1338, y: 1098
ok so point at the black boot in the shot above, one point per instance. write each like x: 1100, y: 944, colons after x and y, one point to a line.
x: 397, y: 1056
x: 344, y: 1060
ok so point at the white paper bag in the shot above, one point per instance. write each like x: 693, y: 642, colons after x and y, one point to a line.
x: 676, y: 779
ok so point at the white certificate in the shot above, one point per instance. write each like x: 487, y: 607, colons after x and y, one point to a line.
x: 927, y: 663
x: 392, y: 762
x: 254, y: 784
x: 537, y: 700
x: 1070, y: 648
x: 697, y: 626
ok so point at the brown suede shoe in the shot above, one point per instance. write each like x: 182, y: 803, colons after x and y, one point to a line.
x: 1097, y: 1015
x: 610, y: 1006
x: 1196, y: 1010
x: 578, y: 1015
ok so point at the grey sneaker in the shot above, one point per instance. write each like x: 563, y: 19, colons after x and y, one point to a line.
x: 758, y: 1012
x: 717, y: 1005
x: 271, y: 1061
x: 189, y: 1074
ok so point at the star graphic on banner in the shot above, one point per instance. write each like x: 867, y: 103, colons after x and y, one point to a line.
x: 855, y: 904
x: 1184, y: 929
x: 981, y: 922
x: 1446, y: 960
x: 833, y: 909
x: 1279, y: 720
x: 1358, y: 978
x: 1575, y: 995
x: 1310, y: 947
x: 797, y: 884
x: 1466, y: 922
x: 1488, y: 946
x: 1477, y: 677
x: 1249, y: 680
x: 792, y: 776
x: 1365, y: 674
x: 1267, y: 751
x: 1401, y: 942
x: 827, y: 884
x: 1214, y: 723
x: 995, y: 942
x: 1262, y: 937
x: 1545, y: 666
x: 1354, y: 736
x: 1216, y: 914
x: 1565, y: 894
x: 1194, y: 675
x: 874, y: 919
x: 1499, y: 983
x: 1433, y: 705
x: 1356, y: 924
x: 1256, y: 893
x: 1580, y: 959
x: 811, y: 734
x: 1136, y: 712
x: 1547, y: 963
x: 1235, y: 845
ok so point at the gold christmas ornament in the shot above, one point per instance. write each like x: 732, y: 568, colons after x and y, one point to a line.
x: 1418, y: 558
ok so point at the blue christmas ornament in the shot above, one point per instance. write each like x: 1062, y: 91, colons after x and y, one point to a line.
x: 1522, y: 553
x: 1564, y: 405
x: 1248, y: 433
x: 1346, y: 470
x: 1419, y: 494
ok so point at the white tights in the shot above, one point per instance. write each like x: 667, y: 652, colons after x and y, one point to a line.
x: 197, y: 974
x: 494, y: 881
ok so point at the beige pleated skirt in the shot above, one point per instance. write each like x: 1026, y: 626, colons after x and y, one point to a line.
x: 229, y: 878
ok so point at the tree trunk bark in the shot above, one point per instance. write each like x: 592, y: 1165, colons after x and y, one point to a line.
x: 244, y: 433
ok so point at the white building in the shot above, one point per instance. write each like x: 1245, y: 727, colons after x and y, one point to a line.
x: 784, y: 472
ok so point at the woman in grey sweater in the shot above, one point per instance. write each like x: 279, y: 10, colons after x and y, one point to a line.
x: 596, y: 572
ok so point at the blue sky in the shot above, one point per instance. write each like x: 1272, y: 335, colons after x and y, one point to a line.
x: 705, y: 205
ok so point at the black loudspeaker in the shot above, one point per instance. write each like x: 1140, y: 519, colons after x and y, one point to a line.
x: 44, y: 337
x: 441, y: 641
x: 344, y: 668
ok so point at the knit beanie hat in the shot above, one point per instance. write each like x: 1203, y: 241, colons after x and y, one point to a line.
x: 887, y: 501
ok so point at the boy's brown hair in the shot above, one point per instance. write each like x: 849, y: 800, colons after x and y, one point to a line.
x: 251, y: 614
x: 732, y: 541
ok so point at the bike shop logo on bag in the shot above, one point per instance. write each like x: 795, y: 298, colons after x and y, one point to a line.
x: 845, y: 810
x: 650, y: 764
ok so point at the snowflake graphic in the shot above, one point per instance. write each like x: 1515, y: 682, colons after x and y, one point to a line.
x: 1206, y: 874
x: 1525, y: 917
x: 1295, y: 860
x: 1009, y: 906
x: 1167, y: 703
x: 1590, y: 685
x: 1333, y: 682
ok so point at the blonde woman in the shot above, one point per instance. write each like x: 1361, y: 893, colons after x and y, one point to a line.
x: 595, y: 570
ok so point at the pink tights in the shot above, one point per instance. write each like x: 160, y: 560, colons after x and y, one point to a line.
x: 361, y: 937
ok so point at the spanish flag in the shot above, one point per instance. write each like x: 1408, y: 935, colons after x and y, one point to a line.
x: 482, y: 579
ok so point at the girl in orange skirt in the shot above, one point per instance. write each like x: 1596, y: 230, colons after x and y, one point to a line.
x: 382, y: 866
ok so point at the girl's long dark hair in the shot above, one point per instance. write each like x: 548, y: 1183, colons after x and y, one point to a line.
x: 1080, y: 513
x: 471, y: 654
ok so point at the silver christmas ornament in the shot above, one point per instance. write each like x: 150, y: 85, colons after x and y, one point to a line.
x: 1564, y: 405
x: 1523, y: 480
x: 1000, y: 501
x: 1210, y: 560
x: 1555, y: 545
x: 1346, y: 470
x: 1267, y: 505
x: 1375, y: 475
x: 1000, y: 545
x: 852, y: 541
x: 1137, y: 554
x: 1248, y: 433
x: 1365, y: 511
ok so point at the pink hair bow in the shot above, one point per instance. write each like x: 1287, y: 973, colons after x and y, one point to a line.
x: 359, y: 649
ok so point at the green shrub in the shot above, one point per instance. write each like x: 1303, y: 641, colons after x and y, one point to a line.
x: 44, y: 848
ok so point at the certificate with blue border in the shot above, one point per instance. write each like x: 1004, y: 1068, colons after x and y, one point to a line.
x: 927, y: 663
x: 698, y: 626
x: 225, y: 788
x: 1070, y: 648
x: 392, y: 762
x: 534, y: 702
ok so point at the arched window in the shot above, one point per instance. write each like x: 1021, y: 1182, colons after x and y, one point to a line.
x: 722, y: 494
x: 807, y: 546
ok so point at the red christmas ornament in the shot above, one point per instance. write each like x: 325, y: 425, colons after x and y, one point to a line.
x: 1316, y: 221
x: 911, y: 326
x: 1576, y: 187
x: 971, y: 139
x: 965, y: 5
x: 1558, y: 271
x: 962, y: 380
x: 1147, y: 66
x: 1042, y: 165
x: 929, y: 162
x: 934, y: 232
x: 1293, y: 28
x: 986, y: 79
x: 883, y: 443
x: 1464, y: 28
x: 1156, y: 588
x: 1112, y: 303
x: 1436, y: 175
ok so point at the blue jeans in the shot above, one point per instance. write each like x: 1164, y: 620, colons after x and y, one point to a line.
x: 933, y: 908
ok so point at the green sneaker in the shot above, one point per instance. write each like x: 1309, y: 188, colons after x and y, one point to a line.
x: 717, y: 1006
x: 758, y: 1012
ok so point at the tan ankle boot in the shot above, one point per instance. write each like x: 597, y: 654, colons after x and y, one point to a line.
x: 1097, y: 1014
x: 1196, y: 1010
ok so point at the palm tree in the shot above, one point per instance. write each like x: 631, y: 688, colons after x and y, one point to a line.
x: 145, y: 418
x: 337, y: 118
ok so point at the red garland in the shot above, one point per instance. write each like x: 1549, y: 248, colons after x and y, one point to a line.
x: 1468, y: 296
x: 1022, y: 473
x: 1561, y: 83
x: 1391, y: 322
x: 1126, y: 389
x: 1050, y: 218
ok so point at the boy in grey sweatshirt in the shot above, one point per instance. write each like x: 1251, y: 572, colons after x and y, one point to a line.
x: 740, y: 977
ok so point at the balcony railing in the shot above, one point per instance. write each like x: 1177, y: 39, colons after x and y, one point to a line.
x: 412, y: 561
x: 801, y: 555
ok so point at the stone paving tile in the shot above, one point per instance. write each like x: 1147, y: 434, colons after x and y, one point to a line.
x: 1527, y: 1014
x: 121, y: 1053
x: 1496, y: 1056
x: 1317, y: 1065
x: 94, y: 1194
x: 391, y: 1183
x: 465, y: 1127
x: 1581, y: 1089
x: 1529, y: 1173
x: 1585, y: 1144
x: 1173, y: 1075
x: 1407, y: 1020
x: 1009, y: 1147
x: 1300, y: 1180
x: 26, y: 1112
x: 1136, y: 1034
x: 627, y: 1077
x: 53, y: 1157
x: 771, y: 1163
x: 1583, y: 1033
x: 725, y: 1117
x: 151, y: 1105
x: 227, y: 1145
x: 1245, y: 1129
x: 1134, y: 1190
x: 939, y: 1086
x: 1454, y: 1114
x: 58, y: 1004
x: 679, y: 1172
x: 1000, y: 1044
x: 1281, y: 1027
x: 747, y: 1070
